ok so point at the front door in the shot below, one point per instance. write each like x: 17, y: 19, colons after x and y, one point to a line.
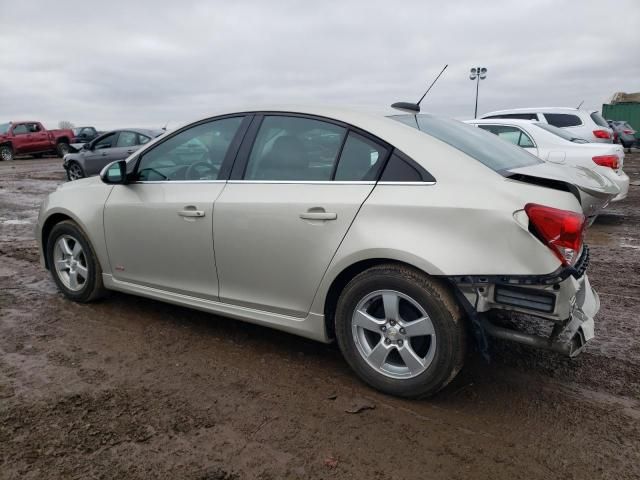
x: 278, y: 225
x: 159, y: 228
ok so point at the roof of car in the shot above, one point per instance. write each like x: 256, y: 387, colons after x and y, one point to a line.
x: 145, y: 131
x: 515, y: 121
x: 538, y: 109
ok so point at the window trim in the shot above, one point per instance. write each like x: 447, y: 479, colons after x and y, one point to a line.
x: 227, y: 162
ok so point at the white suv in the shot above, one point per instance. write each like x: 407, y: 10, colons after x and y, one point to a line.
x: 587, y: 124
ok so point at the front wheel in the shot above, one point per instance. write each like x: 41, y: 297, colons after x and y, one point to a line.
x: 74, y: 171
x: 6, y: 153
x: 73, y: 263
x: 400, y: 330
x: 62, y: 148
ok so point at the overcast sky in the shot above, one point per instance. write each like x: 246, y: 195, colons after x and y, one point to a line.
x: 144, y: 63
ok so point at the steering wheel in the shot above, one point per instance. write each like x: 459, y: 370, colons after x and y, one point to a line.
x: 193, y: 174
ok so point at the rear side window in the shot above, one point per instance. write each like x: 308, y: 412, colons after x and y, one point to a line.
x: 360, y: 159
x: 563, y: 119
x: 499, y: 156
x: 399, y: 169
x: 597, y: 118
x: 510, y: 134
x: 516, y: 116
x: 127, y: 139
x: 295, y: 149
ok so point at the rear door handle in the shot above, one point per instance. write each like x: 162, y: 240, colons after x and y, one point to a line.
x: 314, y: 214
x: 191, y: 213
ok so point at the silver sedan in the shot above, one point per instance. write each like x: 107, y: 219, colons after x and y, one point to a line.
x: 335, y: 225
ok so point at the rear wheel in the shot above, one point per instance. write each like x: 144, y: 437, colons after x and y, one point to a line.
x: 400, y: 330
x: 6, y: 153
x: 62, y: 148
x: 73, y: 263
x: 74, y: 171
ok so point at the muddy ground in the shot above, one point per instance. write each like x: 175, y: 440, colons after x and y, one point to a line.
x: 133, y: 388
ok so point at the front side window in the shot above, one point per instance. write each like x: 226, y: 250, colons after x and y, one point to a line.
x: 563, y: 120
x: 20, y: 129
x: 510, y: 134
x: 360, y: 159
x: 294, y: 148
x: 475, y: 142
x: 196, y: 153
x: 127, y: 139
x: 105, y: 142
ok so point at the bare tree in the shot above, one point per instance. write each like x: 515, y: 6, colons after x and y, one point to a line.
x: 65, y: 124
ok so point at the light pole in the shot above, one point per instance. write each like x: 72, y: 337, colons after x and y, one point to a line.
x: 477, y: 74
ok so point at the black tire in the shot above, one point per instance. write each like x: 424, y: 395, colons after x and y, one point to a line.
x: 6, y: 153
x: 62, y: 148
x: 92, y: 287
x: 435, y: 298
x: 77, y: 170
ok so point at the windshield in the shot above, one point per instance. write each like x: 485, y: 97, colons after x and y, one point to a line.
x: 560, y: 132
x: 4, y: 127
x: 498, y: 155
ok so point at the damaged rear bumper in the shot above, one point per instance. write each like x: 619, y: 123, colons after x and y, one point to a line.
x: 565, y: 299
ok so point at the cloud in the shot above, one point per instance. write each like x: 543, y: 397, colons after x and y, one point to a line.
x: 145, y: 63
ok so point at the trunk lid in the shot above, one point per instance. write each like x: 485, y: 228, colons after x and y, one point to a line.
x: 592, y: 189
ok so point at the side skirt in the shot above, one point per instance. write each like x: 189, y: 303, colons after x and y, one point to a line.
x: 310, y: 327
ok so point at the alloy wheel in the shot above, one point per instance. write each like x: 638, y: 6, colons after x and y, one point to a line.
x: 70, y: 263
x: 75, y: 172
x: 393, y: 334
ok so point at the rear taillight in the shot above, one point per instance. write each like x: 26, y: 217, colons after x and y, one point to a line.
x: 610, y: 161
x: 629, y: 132
x: 601, y: 134
x: 561, y: 230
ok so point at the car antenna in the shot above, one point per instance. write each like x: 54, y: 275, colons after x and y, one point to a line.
x: 415, y: 107
x: 578, y: 107
x: 165, y: 125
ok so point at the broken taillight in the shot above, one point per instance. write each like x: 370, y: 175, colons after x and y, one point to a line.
x: 561, y: 230
x: 610, y: 161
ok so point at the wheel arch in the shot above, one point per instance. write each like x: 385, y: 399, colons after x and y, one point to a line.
x: 341, y: 280
x: 51, y: 221
x: 62, y: 140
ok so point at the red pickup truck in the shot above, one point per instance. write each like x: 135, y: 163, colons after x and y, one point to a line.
x: 31, y: 138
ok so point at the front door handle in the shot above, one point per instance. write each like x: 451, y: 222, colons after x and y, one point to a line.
x: 191, y: 213
x: 318, y: 214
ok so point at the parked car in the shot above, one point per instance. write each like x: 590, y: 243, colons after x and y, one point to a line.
x: 587, y: 124
x: 84, y: 134
x: 593, y: 189
x: 17, y: 138
x: 394, y: 242
x: 626, y: 134
x: 111, y: 146
x: 555, y: 145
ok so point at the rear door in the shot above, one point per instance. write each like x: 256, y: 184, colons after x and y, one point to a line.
x: 288, y: 206
x: 126, y: 143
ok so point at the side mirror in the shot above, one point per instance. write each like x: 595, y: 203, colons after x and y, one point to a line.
x: 115, y: 173
x: 87, y: 146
